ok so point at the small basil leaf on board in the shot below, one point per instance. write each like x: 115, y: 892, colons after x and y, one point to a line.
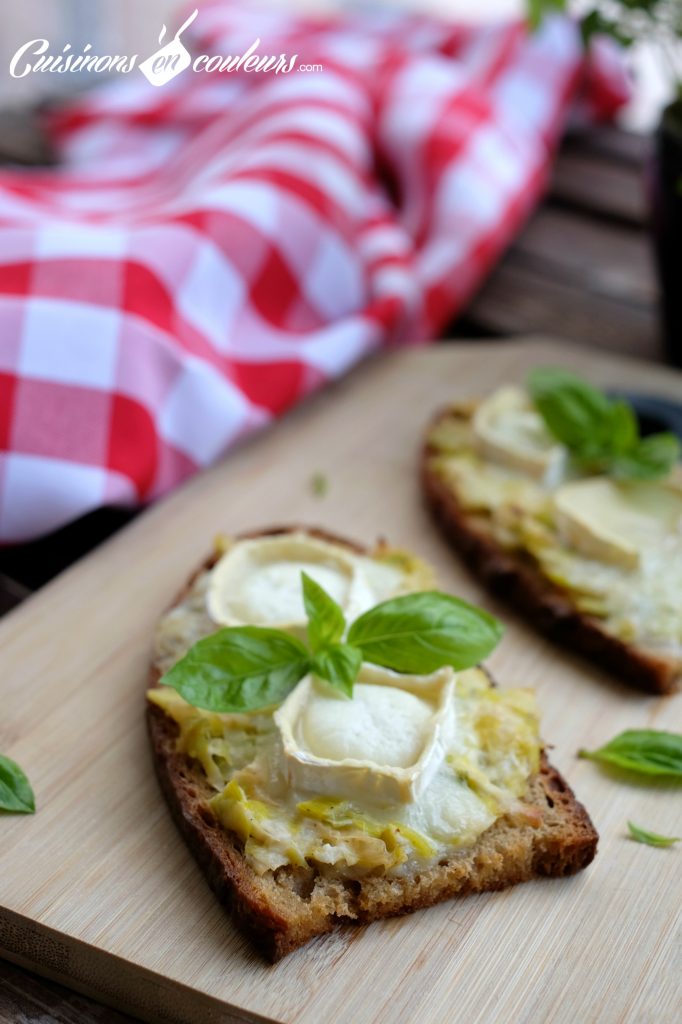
x: 319, y: 485
x: 422, y: 632
x: 240, y: 668
x: 325, y: 618
x: 648, y: 752
x: 642, y: 835
x: 16, y: 795
x: 339, y: 665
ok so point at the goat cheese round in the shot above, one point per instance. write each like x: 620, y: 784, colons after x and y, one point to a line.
x: 381, y: 724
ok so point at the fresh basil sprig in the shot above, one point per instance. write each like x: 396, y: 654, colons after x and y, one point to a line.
x: 326, y: 621
x: 339, y: 665
x: 647, y: 752
x: 16, y: 795
x: 244, y: 668
x: 240, y: 669
x: 642, y: 835
x: 419, y: 633
x: 602, y: 435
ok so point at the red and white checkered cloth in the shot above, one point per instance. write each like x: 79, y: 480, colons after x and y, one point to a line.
x: 212, y: 250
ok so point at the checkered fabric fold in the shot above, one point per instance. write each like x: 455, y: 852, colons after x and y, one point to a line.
x: 210, y: 251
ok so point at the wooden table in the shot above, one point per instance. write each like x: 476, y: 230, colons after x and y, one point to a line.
x: 640, y: 936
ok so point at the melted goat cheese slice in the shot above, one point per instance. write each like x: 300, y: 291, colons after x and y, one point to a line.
x: 383, y: 746
x: 273, y: 591
x: 616, y: 522
x: 509, y: 432
x: 258, y: 582
x: 381, y: 724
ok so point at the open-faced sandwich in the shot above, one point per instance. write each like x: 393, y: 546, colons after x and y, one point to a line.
x: 329, y: 748
x: 557, y: 503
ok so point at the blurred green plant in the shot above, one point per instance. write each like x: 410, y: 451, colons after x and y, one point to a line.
x: 628, y: 22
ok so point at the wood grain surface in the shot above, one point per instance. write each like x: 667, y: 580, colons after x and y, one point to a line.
x: 583, y: 266
x: 28, y: 999
x: 98, y: 891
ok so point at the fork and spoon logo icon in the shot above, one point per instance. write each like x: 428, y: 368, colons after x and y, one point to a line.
x: 172, y: 59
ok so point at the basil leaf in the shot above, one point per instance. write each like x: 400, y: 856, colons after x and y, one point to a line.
x: 651, y: 457
x: 325, y: 619
x: 16, y: 794
x: 624, y: 433
x: 601, y: 435
x: 595, y: 24
x: 538, y: 9
x: 339, y: 665
x: 649, y: 752
x: 651, y: 838
x: 419, y: 633
x: 240, y: 668
x: 573, y: 411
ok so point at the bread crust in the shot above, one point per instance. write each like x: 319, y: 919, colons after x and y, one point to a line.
x: 545, y: 605
x: 285, y: 909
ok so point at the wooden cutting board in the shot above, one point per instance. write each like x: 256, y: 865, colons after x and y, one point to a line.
x: 97, y: 889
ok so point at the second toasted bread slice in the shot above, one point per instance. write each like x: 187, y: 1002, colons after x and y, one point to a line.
x: 502, y: 524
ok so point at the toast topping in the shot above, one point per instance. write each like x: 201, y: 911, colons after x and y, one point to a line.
x: 613, y: 545
x: 617, y: 522
x: 386, y: 572
x: 354, y: 816
x: 384, y: 745
x: 509, y: 432
x: 259, y: 581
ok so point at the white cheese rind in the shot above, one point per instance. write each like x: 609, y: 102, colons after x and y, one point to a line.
x: 370, y: 779
x: 617, y: 522
x: 381, y: 724
x: 508, y: 431
x: 258, y: 581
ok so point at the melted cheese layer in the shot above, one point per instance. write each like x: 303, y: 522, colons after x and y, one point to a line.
x: 480, y: 774
x: 272, y: 593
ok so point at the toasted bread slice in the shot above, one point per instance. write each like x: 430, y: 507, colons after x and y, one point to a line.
x: 514, y: 575
x: 285, y: 908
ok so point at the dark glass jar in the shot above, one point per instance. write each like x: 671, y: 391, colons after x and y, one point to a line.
x: 667, y: 226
